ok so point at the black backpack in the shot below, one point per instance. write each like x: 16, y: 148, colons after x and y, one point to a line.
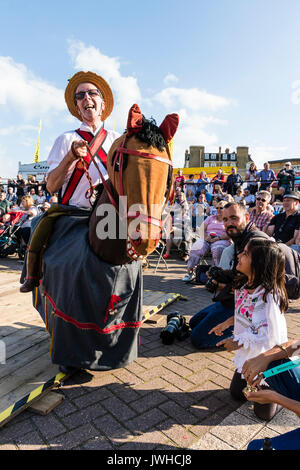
x: 201, y: 276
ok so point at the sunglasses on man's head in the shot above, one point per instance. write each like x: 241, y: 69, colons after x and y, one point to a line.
x: 81, y: 94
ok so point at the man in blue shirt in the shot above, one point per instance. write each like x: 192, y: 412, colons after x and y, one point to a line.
x: 266, y: 177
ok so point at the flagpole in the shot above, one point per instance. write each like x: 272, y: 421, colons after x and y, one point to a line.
x: 36, y: 154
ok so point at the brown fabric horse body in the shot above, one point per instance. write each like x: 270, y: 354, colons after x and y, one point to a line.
x: 140, y: 180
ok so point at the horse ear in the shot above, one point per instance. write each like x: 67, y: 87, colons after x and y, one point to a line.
x: 169, y: 126
x: 134, y: 122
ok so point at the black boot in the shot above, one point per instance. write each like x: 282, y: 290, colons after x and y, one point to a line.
x: 29, y: 285
x: 33, y: 268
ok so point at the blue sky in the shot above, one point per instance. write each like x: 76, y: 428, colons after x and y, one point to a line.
x: 230, y: 68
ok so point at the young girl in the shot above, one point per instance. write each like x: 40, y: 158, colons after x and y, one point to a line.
x: 259, y: 322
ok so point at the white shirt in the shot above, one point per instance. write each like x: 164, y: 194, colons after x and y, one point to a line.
x: 39, y: 200
x: 27, y: 219
x: 258, y: 325
x: 249, y: 199
x: 61, y: 147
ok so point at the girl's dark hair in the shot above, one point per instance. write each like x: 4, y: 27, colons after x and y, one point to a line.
x: 151, y: 134
x: 268, y: 269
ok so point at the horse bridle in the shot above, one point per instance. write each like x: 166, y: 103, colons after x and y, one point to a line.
x: 119, y: 159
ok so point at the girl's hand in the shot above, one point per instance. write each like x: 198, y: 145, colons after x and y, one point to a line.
x: 229, y: 344
x: 218, y: 330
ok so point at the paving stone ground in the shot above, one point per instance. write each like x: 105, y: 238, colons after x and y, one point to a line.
x: 172, y: 397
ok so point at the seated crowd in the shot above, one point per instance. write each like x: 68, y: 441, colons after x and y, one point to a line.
x: 27, y: 198
x: 200, y: 204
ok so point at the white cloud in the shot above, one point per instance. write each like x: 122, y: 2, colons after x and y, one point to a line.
x: 170, y: 78
x: 261, y: 153
x: 10, y: 130
x: 193, y: 131
x: 29, y: 94
x: 191, y: 98
x: 295, y: 97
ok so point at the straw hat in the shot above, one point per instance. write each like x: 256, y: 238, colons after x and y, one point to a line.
x: 99, y: 82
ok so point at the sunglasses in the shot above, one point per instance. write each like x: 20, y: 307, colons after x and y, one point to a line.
x: 81, y: 94
x: 220, y: 207
x: 261, y: 199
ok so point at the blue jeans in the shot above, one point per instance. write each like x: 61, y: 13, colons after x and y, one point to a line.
x: 205, y: 320
x: 287, y: 383
x: 287, y: 441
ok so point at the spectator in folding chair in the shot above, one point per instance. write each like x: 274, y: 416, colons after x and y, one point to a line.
x: 215, y: 240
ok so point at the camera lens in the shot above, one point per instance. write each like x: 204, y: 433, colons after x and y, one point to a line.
x: 168, y: 334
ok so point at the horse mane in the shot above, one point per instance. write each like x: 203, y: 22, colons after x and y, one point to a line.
x: 151, y: 134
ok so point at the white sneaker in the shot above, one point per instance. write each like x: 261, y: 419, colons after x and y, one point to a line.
x: 187, y: 277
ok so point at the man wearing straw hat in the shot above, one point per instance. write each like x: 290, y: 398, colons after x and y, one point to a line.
x: 90, y: 99
x: 77, y: 291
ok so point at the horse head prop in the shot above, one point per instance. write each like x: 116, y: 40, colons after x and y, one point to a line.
x: 126, y: 221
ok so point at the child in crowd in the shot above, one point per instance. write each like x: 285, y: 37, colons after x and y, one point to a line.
x: 239, y: 197
x: 4, y: 222
x: 213, y: 207
x: 259, y: 322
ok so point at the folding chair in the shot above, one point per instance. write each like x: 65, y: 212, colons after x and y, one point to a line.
x: 160, y: 252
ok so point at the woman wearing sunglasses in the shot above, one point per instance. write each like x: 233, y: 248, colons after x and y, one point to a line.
x: 261, y: 214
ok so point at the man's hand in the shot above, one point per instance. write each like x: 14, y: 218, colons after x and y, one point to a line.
x: 79, y: 148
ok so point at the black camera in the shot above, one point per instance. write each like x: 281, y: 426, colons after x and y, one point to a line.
x: 219, y: 275
x: 177, y: 327
x: 211, y: 286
